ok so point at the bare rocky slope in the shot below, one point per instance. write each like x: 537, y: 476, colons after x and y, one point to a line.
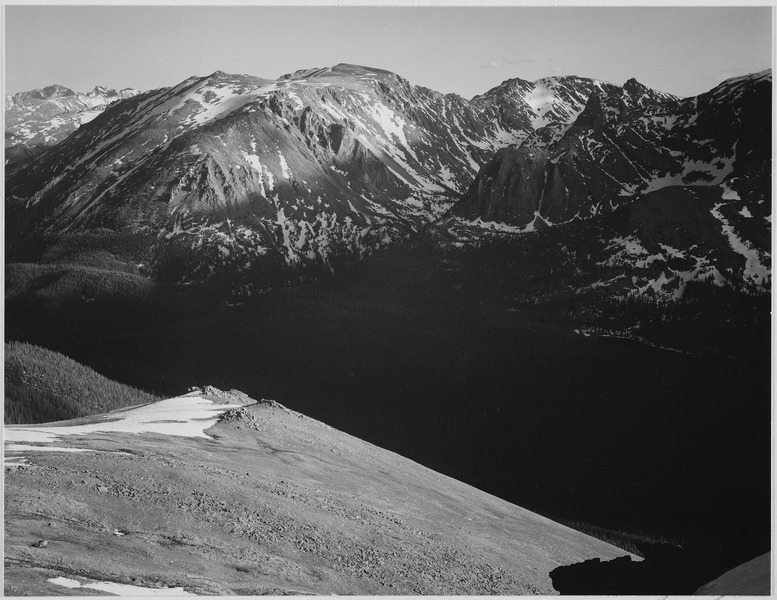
x: 265, y: 501
x: 242, y: 175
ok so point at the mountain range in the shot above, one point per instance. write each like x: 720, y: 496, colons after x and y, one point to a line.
x: 38, y: 119
x: 237, y: 171
x: 557, y: 292
x: 242, y: 176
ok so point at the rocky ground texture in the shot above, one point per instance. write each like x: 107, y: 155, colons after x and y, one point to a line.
x: 268, y: 502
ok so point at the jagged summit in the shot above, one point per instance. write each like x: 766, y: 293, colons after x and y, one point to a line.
x: 56, y: 91
x: 660, y: 140
x: 37, y: 119
x: 631, y: 144
x: 609, y: 103
x: 111, y: 94
x: 634, y: 87
x: 514, y: 82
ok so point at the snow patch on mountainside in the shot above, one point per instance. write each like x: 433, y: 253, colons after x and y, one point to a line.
x: 540, y: 100
x: 627, y: 247
x: 756, y: 267
x: 285, y: 170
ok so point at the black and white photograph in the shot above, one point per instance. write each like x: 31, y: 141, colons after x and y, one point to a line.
x: 387, y: 299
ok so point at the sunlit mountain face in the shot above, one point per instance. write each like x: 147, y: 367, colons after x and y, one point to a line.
x: 233, y: 172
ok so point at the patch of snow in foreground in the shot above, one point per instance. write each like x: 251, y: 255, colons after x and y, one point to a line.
x: 185, y: 416
x: 23, y: 447
x: 119, y: 589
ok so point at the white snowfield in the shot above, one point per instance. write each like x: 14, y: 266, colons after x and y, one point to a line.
x: 184, y: 416
x: 119, y: 589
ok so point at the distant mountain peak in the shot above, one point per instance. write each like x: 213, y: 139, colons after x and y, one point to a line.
x: 354, y: 69
x: 37, y: 119
x: 340, y: 69
x: 632, y: 85
x: 45, y: 93
x: 57, y: 91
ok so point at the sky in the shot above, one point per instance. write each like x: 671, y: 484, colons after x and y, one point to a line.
x: 466, y: 50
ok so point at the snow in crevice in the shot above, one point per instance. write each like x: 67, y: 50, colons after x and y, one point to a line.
x: 756, y: 269
x: 672, y: 252
x: 285, y: 170
x: 496, y: 226
x: 540, y: 100
x: 338, y: 171
x: 447, y: 177
x: 728, y: 193
x: 662, y: 181
x: 629, y: 246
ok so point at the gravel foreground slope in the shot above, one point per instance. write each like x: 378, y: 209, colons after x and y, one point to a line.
x: 268, y: 501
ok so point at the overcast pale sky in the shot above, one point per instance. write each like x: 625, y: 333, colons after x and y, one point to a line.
x: 467, y: 50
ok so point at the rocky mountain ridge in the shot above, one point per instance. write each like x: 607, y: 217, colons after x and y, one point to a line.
x: 630, y: 152
x: 38, y: 119
x: 619, y: 147
x: 238, y: 172
x: 244, y: 178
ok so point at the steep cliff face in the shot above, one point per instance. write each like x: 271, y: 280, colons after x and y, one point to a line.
x: 648, y: 193
x: 626, y: 142
x: 613, y: 104
x: 237, y: 172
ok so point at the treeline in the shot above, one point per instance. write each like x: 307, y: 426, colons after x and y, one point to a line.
x: 43, y: 386
x: 100, y: 248
x: 706, y: 318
